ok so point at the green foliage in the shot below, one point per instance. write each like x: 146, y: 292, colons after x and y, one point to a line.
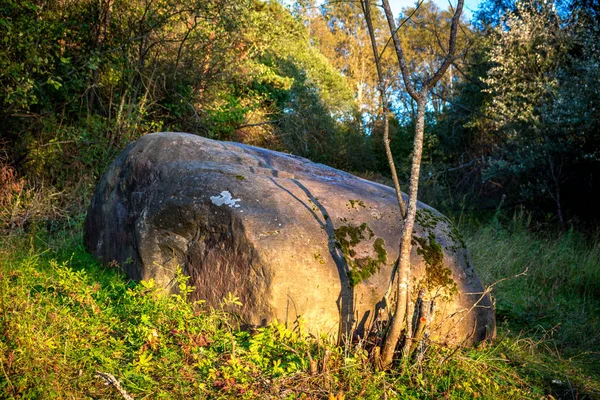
x: 270, y: 348
x: 64, y: 317
x: 80, y: 80
x: 559, y: 293
x: 523, y: 125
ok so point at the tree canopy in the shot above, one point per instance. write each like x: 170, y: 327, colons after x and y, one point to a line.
x: 515, y: 118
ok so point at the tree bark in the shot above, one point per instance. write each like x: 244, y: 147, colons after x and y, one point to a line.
x: 402, y: 317
x: 403, y: 287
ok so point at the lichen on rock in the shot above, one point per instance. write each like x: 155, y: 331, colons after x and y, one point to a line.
x: 225, y: 198
x: 437, y: 275
x: 347, y: 237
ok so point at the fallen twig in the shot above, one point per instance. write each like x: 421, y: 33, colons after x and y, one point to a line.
x: 111, y: 380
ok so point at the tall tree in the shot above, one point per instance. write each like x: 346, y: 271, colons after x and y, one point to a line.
x: 527, y: 56
x: 402, y: 317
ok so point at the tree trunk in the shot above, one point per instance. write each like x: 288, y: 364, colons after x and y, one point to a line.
x: 403, y: 288
x: 404, y: 306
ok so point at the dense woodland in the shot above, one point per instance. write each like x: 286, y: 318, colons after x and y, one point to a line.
x: 514, y: 122
x: 511, y: 154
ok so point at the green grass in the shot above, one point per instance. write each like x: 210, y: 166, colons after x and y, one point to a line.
x: 555, y: 306
x: 64, y: 317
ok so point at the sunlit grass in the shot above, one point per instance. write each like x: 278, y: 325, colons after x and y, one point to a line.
x: 64, y: 318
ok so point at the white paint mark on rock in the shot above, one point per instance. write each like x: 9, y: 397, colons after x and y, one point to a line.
x: 225, y: 199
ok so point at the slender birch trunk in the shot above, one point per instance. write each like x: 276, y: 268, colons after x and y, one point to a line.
x: 403, y: 287
x: 402, y: 317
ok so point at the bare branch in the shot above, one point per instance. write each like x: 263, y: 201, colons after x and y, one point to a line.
x: 483, y: 294
x: 450, y: 58
x: 258, y: 124
x: 401, y: 25
x: 110, y: 379
x: 399, y: 51
x: 386, y: 130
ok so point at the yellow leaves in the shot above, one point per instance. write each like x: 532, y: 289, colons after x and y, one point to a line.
x: 338, y: 396
x: 150, y: 284
x: 143, y: 362
x: 231, y: 300
x: 152, y: 339
x: 49, y: 343
x: 276, y: 368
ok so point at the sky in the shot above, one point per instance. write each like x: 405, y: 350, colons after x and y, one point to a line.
x: 469, y: 8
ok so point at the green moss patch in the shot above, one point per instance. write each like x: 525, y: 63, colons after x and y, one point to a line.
x: 355, y: 204
x: 436, y: 274
x: 429, y: 221
x: 349, y: 236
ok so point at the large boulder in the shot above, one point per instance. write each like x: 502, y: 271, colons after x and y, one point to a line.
x: 287, y: 236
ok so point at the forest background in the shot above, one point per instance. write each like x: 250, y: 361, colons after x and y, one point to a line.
x: 515, y: 121
x: 512, y: 147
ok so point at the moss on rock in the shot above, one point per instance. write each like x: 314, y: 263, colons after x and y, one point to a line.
x: 355, y: 204
x: 437, y: 275
x: 349, y: 236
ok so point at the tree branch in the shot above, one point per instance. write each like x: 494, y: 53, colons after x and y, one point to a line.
x: 399, y: 51
x: 386, y: 130
x: 401, y: 25
x: 450, y: 58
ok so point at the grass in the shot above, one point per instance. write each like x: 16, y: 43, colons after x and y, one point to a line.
x: 64, y: 318
x: 556, y: 306
x: 561, y: 290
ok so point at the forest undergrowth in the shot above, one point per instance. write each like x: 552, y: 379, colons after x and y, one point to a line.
x: 70, y: 326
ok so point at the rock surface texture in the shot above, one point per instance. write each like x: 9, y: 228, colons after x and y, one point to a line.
x: 288, y: 237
